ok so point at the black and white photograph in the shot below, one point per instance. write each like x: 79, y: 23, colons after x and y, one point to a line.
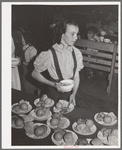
x: 61, y: 75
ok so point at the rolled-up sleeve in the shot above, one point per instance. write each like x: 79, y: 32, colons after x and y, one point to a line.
x: 42, y: 61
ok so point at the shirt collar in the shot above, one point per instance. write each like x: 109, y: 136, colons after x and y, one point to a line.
x: 62, y: 46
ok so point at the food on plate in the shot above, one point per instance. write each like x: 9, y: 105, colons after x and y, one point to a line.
x: 81, y: 121
x: 44, y: 97
x: 57, y: 115
x: 96, y: 141
x: 82, y: 141
x: 44, y: 101
x: 19, y: 122
x: 59, y: 105
x: 63, y: 106
x: 62, y: 122
x: 80, y: 124
x: 40, y: 130
x: 40, y: 113
x: 58, y: 136
x: 80, y: 127
x: 86, y: 130
x: 89, y: 123
x: 108, y: 136
x: 114, y: 132
x: 57, y: 120
x: 16, y: 107
x: 65, y: 109
x: 48, y: 101
x: 107, y: 119
x: 29, y: 127
x: 68, y: 138
x: 54, y: 121
x: 23, y: 106
x: 84, y: 125
x: 27, y: 118
x: 112, y: 140
x: 106, y: 131
x: 100, y: 116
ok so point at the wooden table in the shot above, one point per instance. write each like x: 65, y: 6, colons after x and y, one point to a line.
x: 21, y: 139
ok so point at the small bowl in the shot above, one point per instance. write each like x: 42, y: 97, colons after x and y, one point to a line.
x: 67, y: 85
x: 107, y: 40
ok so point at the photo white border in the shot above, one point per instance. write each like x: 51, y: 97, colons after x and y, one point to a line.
x: 6, y: 71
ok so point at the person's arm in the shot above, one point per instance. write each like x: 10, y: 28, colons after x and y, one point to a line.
x: 75, y: 88
x: 39, y: 77
x: 76, y: 83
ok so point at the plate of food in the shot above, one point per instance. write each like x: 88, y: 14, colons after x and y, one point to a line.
x: 47, y: 102
x: 18, y: 121
x: 108, y: 136
x: 84, y: 127
x: 22, y: 107
x: 96, y: 142
x: 64, y: 137
x: 37, y: 130
x: 63, y: 106
x: 83, y: 141
x: 44, y: 100
x: 41, y: 114
x: 105, y: 118
x: 62, y: 122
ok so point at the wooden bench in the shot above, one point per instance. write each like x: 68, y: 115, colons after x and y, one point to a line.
x: 106, y: 59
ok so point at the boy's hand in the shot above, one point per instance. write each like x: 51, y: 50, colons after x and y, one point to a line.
x: 57, y: 86
x: 72, y: 99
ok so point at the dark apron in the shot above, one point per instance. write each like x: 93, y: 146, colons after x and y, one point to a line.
x: 52, y: 92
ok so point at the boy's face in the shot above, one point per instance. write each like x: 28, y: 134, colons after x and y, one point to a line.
x: 70, y: 36
x: 90, y: 35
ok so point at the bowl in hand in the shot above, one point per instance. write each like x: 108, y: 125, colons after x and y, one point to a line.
x: 107, y: 40
x: 66, y: 85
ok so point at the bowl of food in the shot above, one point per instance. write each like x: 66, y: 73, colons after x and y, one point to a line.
x: 66, y: 85
x: 107, y: 40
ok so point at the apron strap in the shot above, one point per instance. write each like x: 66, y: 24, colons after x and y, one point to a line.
x: 75, y: 62
x: 56, y: 64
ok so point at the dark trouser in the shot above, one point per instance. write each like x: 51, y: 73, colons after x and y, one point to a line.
x: 56, y: 96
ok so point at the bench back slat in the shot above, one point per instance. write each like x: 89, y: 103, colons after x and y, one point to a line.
x: 98, y: 54
x: 105, y: 58
x: 95, y: 45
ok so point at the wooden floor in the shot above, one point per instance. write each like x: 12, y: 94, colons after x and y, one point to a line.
x: 92, y: 93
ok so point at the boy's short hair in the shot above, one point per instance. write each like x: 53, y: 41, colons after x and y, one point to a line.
x: 92, y: 29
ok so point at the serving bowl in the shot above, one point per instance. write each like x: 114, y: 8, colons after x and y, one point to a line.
x: 107, y: 40
x: 66, y: 85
